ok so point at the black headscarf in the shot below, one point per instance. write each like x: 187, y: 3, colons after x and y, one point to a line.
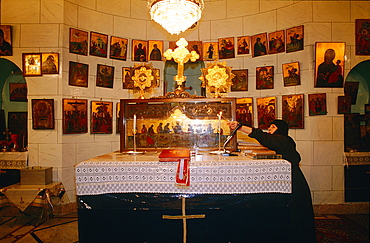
x: 282, y: 126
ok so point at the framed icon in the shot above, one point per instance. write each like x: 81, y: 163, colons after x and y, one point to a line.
x: 244, y: 111
x: 101, y: 117
x: 226, y: 48
x: 98, y: 44
x: 196, y: 46
x: 243, y: 45
x: 291, y: 74
x: 293, y: 110
x: 265, y: 77
x: 294, y: 38
x: 329, y: 64
x: 155, y: 50
x: 18, y: 92
x: 266, y: 111
x: 104, y: 76
x: 240, y: 81
x: 118, y: 48
x: 31, y: 64
x: 259, y: 43
x: 351, y: 89
x: 344, y: 104
x: 210, y: 51
x: 6, y: 48
x: 139, y: 50
x: 78, y: 74
x: 78, y: 41
x: 74, y: 116
x: 50, y: 63
x: 43, y: 114
x: 317, y: 104
x: 276, y: 42
x: 362, y: 36
x: 127, y: 74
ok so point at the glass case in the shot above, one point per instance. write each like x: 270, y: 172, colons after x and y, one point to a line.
x: 195, y: 123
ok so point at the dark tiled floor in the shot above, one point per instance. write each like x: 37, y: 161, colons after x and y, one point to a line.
x: 64, y: 229
x: 58, y: 229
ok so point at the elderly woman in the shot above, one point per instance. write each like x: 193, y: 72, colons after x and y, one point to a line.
x: 300, y: 206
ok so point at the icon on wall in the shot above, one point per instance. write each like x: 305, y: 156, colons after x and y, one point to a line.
x: 78, y: 74
x: 43, y: 114
x: 139, y: 50
x: 265, y: 77
x: 244, y: 111
x: 101, y: 117
x: 329, y: 69
x: 98, y: 44
x: 118, y: 48
x: 266, y: 111
x: 104, y: 76
x: 243, y: 45
x: 6, y: 40
x: 294, y: 38
x: 78, y: 41
x: 210, y: 51
x: 18, y: 92
x: 291, y: 74
x: 31, y: 64
x: 50, y: 63
x: 74, y: 116
x: 259, y: 43
x: 362, y: 37
x: 317, y: 104
x: 240, y: 81
x: 155, y: 50
x: 276, y: 42
x: 293, y: 110
x: 226, y: 48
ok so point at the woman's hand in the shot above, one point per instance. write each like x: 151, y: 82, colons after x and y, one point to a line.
x: 232, y: 124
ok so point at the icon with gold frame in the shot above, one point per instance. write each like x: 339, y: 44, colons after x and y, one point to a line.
x: 31, y: 64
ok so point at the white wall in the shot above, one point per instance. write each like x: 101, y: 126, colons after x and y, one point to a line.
x: 43, y: 26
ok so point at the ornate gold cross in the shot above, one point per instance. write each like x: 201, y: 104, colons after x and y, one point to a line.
x: 184, y: 217
x: 181, y: 55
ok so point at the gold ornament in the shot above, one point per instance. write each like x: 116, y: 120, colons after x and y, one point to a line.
x: 218, y: 76
x: 144, y: 78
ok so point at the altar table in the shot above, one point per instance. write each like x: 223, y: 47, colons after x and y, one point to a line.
x: 134, y: 198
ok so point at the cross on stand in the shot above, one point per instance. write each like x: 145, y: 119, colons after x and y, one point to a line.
x: 184, y: 217
x: 180, y: 55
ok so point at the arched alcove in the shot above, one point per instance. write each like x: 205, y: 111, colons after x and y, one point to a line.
x: 13, y: 100
x: 357, y: 124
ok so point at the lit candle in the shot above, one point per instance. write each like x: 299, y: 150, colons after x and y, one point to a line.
x: 219, y: 122
x: 134, y: 129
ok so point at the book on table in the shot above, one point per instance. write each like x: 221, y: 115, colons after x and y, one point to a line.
x: 174, y: 155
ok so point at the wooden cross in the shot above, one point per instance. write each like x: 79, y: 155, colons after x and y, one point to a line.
x: 184, y: 217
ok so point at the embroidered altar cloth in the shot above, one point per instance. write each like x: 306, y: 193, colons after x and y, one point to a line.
x: 212, y: 174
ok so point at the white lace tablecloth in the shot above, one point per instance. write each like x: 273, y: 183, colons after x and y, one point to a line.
x: 109, y: 174
x: 13, y: 160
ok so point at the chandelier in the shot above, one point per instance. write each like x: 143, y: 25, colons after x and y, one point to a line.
x: 176, y: 16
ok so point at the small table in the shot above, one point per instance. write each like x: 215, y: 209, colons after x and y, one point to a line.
x: 26, y: 196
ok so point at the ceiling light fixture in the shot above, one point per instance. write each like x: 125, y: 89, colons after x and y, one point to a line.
x: 176, y: 16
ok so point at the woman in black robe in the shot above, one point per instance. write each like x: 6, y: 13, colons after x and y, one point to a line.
x: 302, y: 223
